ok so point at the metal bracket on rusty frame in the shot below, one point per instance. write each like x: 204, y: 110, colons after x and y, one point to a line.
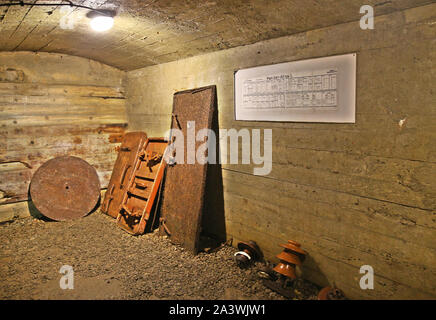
x: 177, y: 120
x: 172, y: 159
x: 162, y: 223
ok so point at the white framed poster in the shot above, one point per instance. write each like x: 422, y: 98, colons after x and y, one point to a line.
x: 313, y: 90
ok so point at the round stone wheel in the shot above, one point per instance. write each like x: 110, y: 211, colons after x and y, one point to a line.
x: 65, y: 188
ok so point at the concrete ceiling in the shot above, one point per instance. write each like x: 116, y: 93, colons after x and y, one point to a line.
x: 149, y: 32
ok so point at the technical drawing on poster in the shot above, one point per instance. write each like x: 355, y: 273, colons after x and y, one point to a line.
x: 315, y: 90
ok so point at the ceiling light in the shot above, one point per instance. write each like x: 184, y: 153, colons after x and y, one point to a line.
x: 102, y: 23
x: 101, y: 20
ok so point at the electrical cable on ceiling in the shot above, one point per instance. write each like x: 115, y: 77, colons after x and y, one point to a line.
x: 69, y: 3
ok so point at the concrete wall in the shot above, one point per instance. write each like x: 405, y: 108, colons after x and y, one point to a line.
x: 352, y: 194
x: 53, y: 105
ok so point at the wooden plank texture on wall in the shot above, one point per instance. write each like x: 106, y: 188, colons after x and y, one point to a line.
x: 54, y: 105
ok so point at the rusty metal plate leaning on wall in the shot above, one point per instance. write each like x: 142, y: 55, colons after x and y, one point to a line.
x: 65, y: 188
x: 133, y: 143
x: 135, y: 212
x: 184, y: 186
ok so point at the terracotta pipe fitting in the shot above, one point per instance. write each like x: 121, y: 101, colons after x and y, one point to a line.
x: 291, y: 256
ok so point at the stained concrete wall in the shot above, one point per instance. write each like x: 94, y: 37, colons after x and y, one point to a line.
x: 352, y: 194
x: 53, y: 105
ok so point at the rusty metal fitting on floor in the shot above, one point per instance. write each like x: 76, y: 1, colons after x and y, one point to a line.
x: 331, y: 293
x: 164, y: 226
x: 266, y: 272
x: 291, y: 256
x: 248, y: 252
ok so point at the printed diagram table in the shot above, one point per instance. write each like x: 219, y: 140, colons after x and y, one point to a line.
x: 310, y: 89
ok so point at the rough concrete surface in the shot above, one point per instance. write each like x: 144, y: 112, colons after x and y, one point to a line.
x: 108, y: 263
x: 149, y: 32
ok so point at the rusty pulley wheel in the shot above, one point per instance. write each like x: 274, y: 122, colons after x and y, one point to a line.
x: 65, y: 188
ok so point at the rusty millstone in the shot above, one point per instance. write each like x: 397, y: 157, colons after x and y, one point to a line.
x: 65, y: 188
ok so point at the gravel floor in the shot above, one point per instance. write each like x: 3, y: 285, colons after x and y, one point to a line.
x: 108, y: 263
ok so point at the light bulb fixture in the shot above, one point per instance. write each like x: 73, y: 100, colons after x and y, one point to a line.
x: 101, y: 20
